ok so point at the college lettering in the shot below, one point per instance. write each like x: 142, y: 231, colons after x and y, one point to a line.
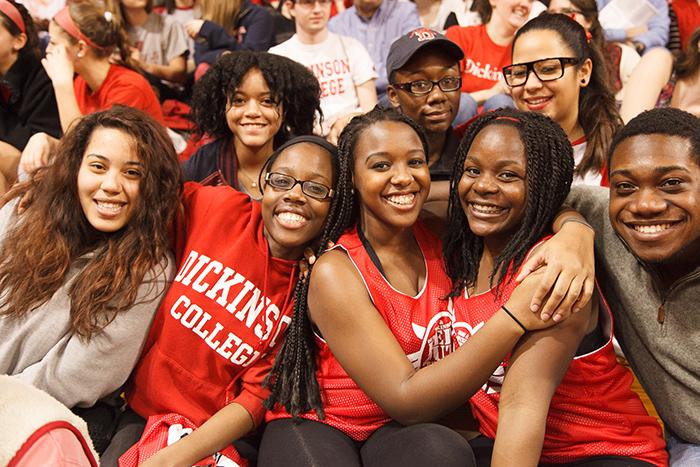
x: 330, y: 76
x: 234, y: 293
x: 487, y: 71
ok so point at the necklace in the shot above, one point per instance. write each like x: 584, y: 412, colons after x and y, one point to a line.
x: 253, y: 183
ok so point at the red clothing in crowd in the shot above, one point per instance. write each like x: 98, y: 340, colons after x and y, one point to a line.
x: 422, y: 326
x: 121, y: 86
x: 593, y: 411
x: 483, y: 59
x: 688, y: 14
x: 213, y: 337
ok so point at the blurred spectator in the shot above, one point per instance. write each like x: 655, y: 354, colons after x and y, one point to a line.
x: 230, y: 25
x: 376, y: 24
x: 688, y: 14
x: 645, y: 36
x: 342, y: 65
x: 27, y: 101
x: 158, y: 45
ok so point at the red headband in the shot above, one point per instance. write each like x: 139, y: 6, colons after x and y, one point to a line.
x: 63, y: 19
x: 13, y: 13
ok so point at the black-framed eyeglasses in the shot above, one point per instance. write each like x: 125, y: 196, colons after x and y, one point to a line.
x: 287, y: 182
x: 546, y: 69
x: 422, y: 87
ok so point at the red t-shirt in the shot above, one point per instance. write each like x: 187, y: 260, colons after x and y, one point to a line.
x: 121, y: 86
x: 422, y: 326
x: 214, y: 334
x: 593, y: 412
x: 483, y: 59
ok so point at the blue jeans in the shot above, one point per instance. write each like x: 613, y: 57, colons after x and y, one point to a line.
x: 682, y: 454
x: 468, y: 107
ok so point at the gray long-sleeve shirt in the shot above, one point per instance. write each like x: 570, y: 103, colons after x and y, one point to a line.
x: 41, y: 349
x: 665, y: 355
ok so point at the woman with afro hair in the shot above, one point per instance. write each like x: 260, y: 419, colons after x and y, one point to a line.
x: 250, y: 103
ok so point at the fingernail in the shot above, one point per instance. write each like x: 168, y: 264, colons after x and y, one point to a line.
x: 556, y: 318
x: 545, y: 316
x: 534, y: 307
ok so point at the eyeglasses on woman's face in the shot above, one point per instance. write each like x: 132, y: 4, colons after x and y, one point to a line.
x: 285, y: 182
x: 546, y: 69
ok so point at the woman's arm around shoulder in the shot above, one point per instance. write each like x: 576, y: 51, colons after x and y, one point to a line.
x: 360, y: 339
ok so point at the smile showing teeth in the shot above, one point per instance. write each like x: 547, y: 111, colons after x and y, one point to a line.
x: 291, y: 218
x: 539, y: 100
x: 401, y: 200
x: 486, y: 208
x: 107, y: 206
x: 651, y: 229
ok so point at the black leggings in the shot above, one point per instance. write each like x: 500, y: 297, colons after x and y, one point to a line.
x: 483, y: 449
x: 315, y: 444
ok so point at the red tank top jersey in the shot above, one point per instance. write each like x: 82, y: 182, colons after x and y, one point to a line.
x: 483, y: 58
x: 121, y: 86
x: 593, y: 411
x: 422, y: 326
x: 213, y: 336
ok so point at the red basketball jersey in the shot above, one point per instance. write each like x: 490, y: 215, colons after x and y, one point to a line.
x: 422, y: 325
x: 593, y: 411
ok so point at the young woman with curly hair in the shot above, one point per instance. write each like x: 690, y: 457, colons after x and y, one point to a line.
x: 86, y: 262
x: 250, y: 103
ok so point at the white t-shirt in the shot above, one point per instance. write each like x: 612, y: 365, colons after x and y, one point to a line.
x: 339, y: 63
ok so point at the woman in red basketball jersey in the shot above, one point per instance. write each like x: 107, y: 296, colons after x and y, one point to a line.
x: 380, y: 344
x: 559, y: 397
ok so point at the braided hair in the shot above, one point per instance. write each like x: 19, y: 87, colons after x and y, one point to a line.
x: 549, y: 172
x: 597, y: 111
x: 292, y: 380
x: 291, y: 84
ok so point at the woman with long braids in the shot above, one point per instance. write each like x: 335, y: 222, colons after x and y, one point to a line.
x: 86, y: 263
x: 558, y: 72
x: 215, y: 335
x: 379, y: 347
x: 514, y: 170
x: 249, y: 103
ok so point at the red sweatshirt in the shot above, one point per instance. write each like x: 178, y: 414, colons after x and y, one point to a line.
x: 213, y: 337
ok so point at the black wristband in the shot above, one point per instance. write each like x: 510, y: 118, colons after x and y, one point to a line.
x: 514, y: 318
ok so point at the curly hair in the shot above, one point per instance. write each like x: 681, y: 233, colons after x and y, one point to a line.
x: 292, y: 380
x: 549, y: 172
x: 597, y: 111
x: 53, y: 231
x: 291, y: 84
x: 31, y: 47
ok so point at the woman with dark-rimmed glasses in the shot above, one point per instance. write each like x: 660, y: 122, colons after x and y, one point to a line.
x: 557, y: 71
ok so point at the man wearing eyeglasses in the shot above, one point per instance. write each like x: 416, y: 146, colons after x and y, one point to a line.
x: 424, y: 83
x: 343, y: 67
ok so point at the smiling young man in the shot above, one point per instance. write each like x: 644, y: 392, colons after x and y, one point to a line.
x: 648, y: 263
x: 424, y: 84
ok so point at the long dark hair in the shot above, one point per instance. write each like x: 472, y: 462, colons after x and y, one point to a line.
x: 292, y: 381
x: 597, y: 111
x: 689, y: 60
x: 53, y: 230
x: 549, y: 173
